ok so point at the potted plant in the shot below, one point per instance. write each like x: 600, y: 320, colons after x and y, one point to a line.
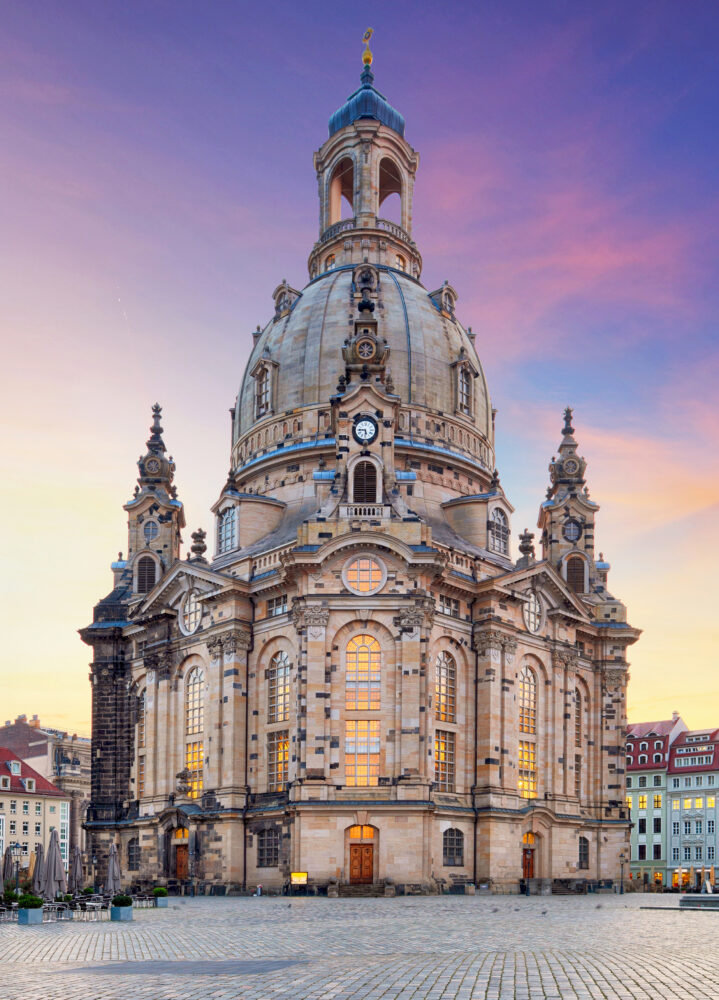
x: 121, y: 907
x: 88, y: 890
x: 160, y: 894
x: 29, y: 909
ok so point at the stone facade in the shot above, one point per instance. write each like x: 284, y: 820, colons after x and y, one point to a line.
x: 362, y: 685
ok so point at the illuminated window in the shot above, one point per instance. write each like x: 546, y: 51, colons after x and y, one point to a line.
x: 268, y: 848
x: 499, y: 532
x: 363, y: 674
x: 698, y: 803
x: 278, y: 756
x: 710, y: 801
x: 329, y: 262
x: 361, y: 752
x: 361, y: 833
x: 628, y: 801
x: 140, y: 776
x: 145, y: 574
x: 400, y: 263
x: 527, y: 770
x: 193, y: 764
x: 578, y: 776
x: 577, y: 718
x: 364, y: 575
x: 181, y: 833
x: 227, y: 530
x: 687, y: 803
x: 642, y: 802
x: 133, y: 855
x: 527, y: 702
x: 278, y: 687
x: 453, y: 847
x: 445, y: 689
x: 657, y: 801
x: 575, y: 580
x: 675, y: 804
x: 444, y: 760
x: 583, y: 853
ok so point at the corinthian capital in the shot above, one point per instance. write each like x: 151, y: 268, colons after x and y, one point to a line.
x: 309, y: 615
x: 214, y: 647
x: 487, y: 640
x: 238, y: 638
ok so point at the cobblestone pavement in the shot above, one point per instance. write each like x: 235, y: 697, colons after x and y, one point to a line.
x: 494, y: 948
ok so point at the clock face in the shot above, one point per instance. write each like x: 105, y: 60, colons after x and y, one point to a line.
x: 153, y: 466
x: 365, y: 430
x: 570, y: 466
x: 365, y: 349
x: 572, y: 531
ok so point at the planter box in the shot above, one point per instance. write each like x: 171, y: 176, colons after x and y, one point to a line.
x: 30, y: 916
x: 120, y: 913
x: 162, y: 901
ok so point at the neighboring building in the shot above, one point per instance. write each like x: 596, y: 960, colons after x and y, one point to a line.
x: 362, y: 684
x: 693, y: 784
x: 30, y: 808
x: 61, y: 758
x: 647, y: 760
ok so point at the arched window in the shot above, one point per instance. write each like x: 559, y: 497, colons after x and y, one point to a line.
x: 575, y: 574
x: 363, y: 674
x: 527, y: 702
x: 499, y: 532
x: 227, y: 530
x: 133, y: 855
x: 445, y: 688
x: 364, y: 483
x: 453, y: 847
x: 527, y: 757
x: 278, y: 688
x: 329, y: 262
x: 464, y: 391
x: 643, y: 746
x: 268, y: 848
x: 146, y: 574
x: 400, y: 263
x: 194, y: 728
x: 643, y: 759
x: 583, y: 852
x: 657, y: 758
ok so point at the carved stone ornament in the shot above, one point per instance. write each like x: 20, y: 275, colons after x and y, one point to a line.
x: 183, y: 782
x: 615, y: 677
x: 488, y: 640
x: 510, y: 648
x: 409, y: 620
x: 239, y: 638
x: 565, y: 658
x: 310, y: 615
x: 214, y: 647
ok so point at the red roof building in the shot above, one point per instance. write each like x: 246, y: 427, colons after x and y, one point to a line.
x: 31, y: 807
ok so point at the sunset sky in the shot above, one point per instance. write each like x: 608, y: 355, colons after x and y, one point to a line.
x: 156, y: 184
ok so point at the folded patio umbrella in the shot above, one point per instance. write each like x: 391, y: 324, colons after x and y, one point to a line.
x: 8, y: 865
x: 112, y: 884
x: 39, y: 870
x: 54, y: 880
x: 75, y: 874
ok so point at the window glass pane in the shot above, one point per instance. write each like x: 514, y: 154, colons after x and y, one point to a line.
x: 445, y: 688
x: 444, y: 760
x: 362, y: 747
x: 363, y: 674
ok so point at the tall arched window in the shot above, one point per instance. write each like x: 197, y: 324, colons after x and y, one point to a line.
x: 141, y: 734
x: 527, y: 762
x: 194, y: 730
x: 278, y: 688
x: 262, y: 392
x: 227, y: 530
x: 464, y: 391
x: 583, y: 853
x: 146, y: 574
x: 499, y: 532
x: 453, y: 847
x: 578, y: 707
x: 364, y: 483
x: 575, y: 574
x: 446, y: 688
x: 363, y: 674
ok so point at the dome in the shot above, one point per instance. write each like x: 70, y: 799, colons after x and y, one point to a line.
x: 367, y: 103
x: 305, y: 346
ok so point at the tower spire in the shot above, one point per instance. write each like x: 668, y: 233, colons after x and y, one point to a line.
x: 156, y: 470
x: 155, y: 444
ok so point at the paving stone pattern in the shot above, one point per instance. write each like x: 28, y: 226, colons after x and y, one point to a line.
x: 493, y: 948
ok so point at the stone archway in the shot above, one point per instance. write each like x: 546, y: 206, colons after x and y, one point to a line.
x: 362, y: 853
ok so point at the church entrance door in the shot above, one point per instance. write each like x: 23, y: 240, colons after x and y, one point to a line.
x: 361, y: 864
x: 528, y: 862
x: 182, y: 861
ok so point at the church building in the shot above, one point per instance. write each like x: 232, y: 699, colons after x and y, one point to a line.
x: 351, y: 676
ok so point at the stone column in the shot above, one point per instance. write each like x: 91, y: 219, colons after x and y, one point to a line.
x: 415, y: 733
x: 229, y: 768
x: 151, y: 732
x: 313, y: 731
x: 488, y: 644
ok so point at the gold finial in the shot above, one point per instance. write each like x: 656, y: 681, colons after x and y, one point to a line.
x: 367, y: 55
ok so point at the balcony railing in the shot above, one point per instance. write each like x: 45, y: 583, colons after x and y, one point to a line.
x: 364, y: 510
x: 345, y: 225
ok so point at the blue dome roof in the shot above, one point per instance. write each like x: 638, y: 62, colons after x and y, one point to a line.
x: 367, y: 103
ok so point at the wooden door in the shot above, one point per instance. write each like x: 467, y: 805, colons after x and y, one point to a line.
x: 182, y: 861
x: 527, y: 863
x: 361, y: 864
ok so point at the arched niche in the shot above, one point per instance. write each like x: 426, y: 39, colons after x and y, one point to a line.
x: 341, y: 186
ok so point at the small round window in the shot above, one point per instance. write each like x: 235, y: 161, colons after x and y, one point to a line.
x: 364, y: 575
x: 572, y: 530
x: 151, y: 531
x: 191, y: 613
x: 532, y: 612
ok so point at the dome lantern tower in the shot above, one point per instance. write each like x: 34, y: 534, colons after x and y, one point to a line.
x: 365, y: 160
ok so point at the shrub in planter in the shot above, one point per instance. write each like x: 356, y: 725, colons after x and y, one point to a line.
x: 121, y: 907
x: 67, y: 898
x: 160, y: 894
x: 29, y: 909
x: 10, y: 896
x: 88, y: 890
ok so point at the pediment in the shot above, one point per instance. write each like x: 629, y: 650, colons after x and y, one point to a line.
x: 545, y: 578
x: 169, y: 591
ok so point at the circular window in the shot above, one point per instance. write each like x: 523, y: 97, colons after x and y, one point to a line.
x: 365, y: 349
x: 572, y: 530
x: 151, y: 530
x: 191, y: 613
x: 364, y: 575
x: 532, y: 612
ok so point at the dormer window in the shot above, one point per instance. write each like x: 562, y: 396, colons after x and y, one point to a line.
x: 263, y: 392
x: 464, y: 391
x: 227, y: 530
x: 265, y: 375
x: 498, y: 532
x: 29, y: 784
x: 15, y: 767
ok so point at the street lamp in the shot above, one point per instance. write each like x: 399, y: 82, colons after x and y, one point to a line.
x: 16, y: 852
x: 622, y: 862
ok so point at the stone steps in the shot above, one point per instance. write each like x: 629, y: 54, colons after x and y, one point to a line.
x: 361, y: 891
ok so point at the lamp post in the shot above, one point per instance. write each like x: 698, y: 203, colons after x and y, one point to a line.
x: 16, y: 852
x: 622, y: 862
